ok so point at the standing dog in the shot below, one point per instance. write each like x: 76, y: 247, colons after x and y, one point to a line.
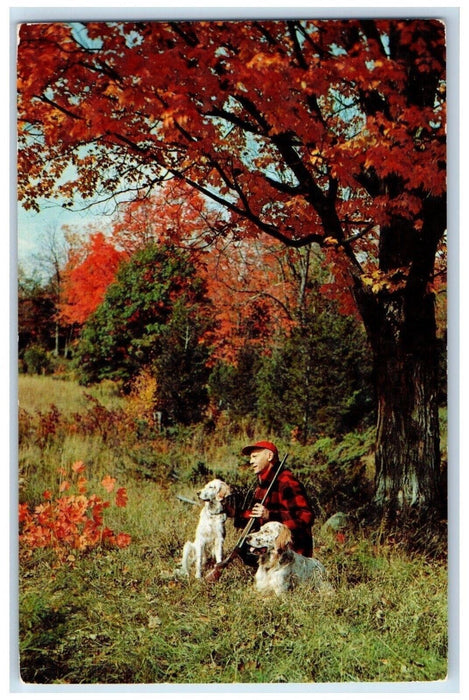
x: 210, y: 532
x: 280, y: 568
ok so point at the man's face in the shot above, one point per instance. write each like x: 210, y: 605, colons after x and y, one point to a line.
x: 260, y: 459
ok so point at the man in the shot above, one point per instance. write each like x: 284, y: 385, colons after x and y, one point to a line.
x: 287, y: 502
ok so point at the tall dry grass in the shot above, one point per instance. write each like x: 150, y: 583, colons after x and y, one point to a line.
x: 124, y: 616
x: 37, y: 393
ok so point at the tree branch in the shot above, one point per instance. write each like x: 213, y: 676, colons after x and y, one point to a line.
x: 65, y: 110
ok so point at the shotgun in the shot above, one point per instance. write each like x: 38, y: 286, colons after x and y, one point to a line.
x: 187, y: 500
x: 216, y: 572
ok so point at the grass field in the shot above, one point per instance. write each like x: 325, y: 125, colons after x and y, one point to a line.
x: 121, y: 615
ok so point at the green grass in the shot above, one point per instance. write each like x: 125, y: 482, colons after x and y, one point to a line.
x: 123, y: 616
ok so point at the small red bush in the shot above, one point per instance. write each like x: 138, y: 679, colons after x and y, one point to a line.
x: 73, y: 520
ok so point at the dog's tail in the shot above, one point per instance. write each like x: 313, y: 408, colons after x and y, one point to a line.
x: 188, y: 557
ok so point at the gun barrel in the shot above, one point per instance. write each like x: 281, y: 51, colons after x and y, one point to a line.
x: 187, y: 500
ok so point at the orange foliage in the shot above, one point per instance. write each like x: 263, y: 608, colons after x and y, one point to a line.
x: 285, y: 125
x: 175, y: 214
x: 87, y: 275
x: 318, y: 131
x: 251, y: 293
x: 71, y: 522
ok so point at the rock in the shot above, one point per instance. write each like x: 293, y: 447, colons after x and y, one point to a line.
x: 336, y: 522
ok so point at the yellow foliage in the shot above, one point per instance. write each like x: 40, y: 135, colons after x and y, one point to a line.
x: 141, y: 402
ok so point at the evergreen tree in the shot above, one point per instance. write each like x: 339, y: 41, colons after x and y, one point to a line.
x: 318, y: 380
x: 233, y: 387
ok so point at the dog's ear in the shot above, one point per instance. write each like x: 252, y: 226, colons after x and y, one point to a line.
x: 283, y: 540
x: 224, y: 491
x: 286, y: 557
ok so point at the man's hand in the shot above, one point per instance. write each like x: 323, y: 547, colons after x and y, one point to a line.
x: 259, y: 511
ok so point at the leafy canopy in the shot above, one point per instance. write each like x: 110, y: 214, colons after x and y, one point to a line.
x: 304, y: 130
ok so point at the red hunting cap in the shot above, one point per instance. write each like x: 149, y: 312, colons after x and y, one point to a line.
x: 262, y: 445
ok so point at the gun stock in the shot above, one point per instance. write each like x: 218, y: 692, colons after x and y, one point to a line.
x: 215, y: 573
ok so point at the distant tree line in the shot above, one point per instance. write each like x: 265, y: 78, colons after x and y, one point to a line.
x: 158, y: 315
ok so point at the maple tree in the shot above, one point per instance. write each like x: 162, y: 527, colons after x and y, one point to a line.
x: 175, y: 214
x: 89, y: 271
x: 326, y: 131
x: 252, y: 292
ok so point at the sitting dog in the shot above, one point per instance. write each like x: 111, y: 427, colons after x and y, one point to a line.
x: 210, y: 532
x: 279, y: 567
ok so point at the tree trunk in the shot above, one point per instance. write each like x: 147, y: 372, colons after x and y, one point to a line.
x: 401, y: 326
x: 57, y: 339
x: 408, y: 439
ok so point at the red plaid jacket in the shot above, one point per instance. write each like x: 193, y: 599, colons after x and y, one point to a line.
x: 287, y: 503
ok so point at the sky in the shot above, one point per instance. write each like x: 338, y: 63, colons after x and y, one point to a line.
x: 32, y: 227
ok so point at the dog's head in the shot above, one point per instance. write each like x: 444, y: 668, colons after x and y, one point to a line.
x: 271, y: 541
x: 215, y: 492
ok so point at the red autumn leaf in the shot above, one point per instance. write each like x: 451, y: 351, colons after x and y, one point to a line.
x: 78, y: 467
x: 91, y: 532
x: 81, y: 484
x: 108, y: 483
x: 121, y: 497
x: 123, y: 540
x: 23, y: 512
x: 43, y: 513
x: 107, y: 535
x: 97, y: 512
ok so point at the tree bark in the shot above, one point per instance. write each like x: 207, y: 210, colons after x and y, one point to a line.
x: 401, y: 328
x: 408, y: 439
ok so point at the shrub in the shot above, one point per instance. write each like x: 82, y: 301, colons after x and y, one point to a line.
x: 72, y: 521
x: 37, y: 360
x: 142, y: 397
